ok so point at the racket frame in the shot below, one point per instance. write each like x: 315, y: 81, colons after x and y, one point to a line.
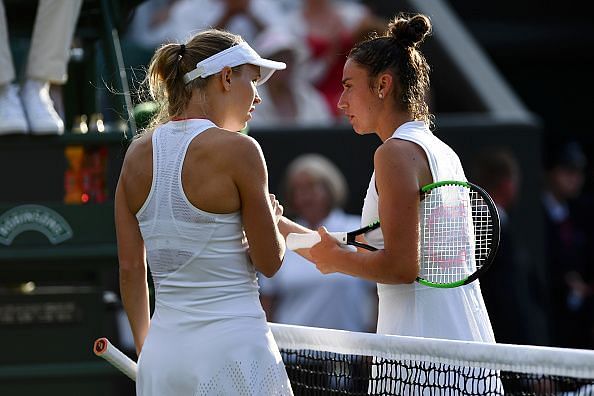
x: 495, y: 235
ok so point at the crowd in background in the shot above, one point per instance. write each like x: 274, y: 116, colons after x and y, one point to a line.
x: 550, y: 303
x: 312, y: 36
x: 552, y: 307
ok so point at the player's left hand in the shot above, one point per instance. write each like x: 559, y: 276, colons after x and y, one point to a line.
x: 277, y: 208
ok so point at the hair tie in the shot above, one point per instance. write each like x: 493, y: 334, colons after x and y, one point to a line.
x: 182, y: 50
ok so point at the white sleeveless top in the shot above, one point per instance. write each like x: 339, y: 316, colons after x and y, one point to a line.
x: 414, y: 309
x: 198, y: 260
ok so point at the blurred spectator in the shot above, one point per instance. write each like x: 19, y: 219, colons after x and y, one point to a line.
x: 32, y: 109
x: 288, y: 98
x: 329, y: 29
x: 150, y: 24
x: 569, y: 266
x: 299, y: 294
x: 511, y: 288
x: 159, y: 21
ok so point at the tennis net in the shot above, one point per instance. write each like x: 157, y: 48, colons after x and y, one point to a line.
x: 336, y: 362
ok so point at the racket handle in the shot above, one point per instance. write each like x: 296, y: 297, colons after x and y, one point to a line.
x: 305, y: 241
x: 105, y: 349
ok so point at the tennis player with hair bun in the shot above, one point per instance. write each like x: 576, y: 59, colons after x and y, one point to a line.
x: 188, y: 190
x: 385, y: 81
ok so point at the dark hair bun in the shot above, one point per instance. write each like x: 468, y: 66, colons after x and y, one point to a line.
x: 409, y: 31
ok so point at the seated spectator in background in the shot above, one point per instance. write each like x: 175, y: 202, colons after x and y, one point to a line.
x: 299, y: 294
x: 159, y: 21
x: 32, y: 109
x: 512, y: 288
x: 288, y: 98
x: 329, y: 29
x: 569, y: 266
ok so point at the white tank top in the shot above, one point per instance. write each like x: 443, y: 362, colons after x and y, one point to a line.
x: 414, y: 309
x: 198, y: 260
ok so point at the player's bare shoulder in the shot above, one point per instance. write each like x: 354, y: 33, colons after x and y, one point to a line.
x: 140, y: 144
x: 402, y: 157
x: 140, y: 149
x: 399, y: 152
x: 237, y: 149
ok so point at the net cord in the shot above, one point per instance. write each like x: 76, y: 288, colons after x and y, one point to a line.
x: 527, y: 359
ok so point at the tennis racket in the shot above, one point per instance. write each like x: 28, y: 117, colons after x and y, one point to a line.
x: 459, y: 234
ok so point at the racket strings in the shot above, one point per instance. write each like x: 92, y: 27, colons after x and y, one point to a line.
x: 456, y: 230
x: 483, y: 227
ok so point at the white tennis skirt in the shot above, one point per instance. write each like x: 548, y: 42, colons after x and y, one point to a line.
x: 186, y: 354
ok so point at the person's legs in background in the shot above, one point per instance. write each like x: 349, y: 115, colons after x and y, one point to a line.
x: 47, y: 62
x: 12, y: 116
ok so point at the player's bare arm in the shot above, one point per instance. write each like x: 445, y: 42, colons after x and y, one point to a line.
x: 251, y: 177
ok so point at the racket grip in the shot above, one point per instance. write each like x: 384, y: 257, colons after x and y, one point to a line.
x: 105, y: 349
x: 305, y: 241
x: 302, y: 241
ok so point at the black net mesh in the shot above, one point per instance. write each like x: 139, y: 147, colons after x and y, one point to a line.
x: 327, y: 373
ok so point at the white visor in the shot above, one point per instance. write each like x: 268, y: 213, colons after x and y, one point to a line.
x: 237, y: 55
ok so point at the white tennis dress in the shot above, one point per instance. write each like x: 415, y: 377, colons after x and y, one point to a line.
x: 208, y: 334
x: 422, y: 311
x: 413, y: 309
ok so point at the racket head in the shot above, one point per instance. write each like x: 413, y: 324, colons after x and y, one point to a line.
x: 459, y: 233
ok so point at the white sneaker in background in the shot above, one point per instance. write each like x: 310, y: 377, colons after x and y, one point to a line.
x: 12, y: 116
x: 42, y: 116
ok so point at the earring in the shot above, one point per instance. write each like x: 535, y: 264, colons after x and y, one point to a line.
x: 380, y: 95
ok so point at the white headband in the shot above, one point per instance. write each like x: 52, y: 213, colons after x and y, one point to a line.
x: 237, y: 55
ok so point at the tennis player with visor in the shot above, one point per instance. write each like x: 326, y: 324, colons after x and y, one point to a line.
x: 191, y: 191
